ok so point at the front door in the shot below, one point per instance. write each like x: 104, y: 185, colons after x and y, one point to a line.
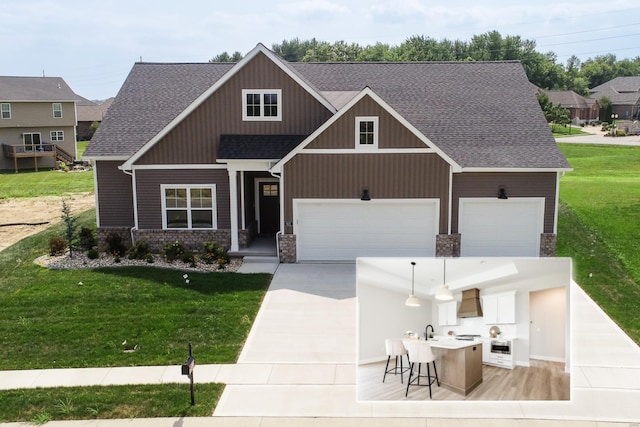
x: 268, y: 207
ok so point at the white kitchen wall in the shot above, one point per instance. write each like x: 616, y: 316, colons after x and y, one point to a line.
x: 548, y: 324
x: 381, y: 315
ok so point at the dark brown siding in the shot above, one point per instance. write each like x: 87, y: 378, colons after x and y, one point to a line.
x: 387, y: 176
x: 532, y: 184
x: 195, y: 139
x: 115, y: 204
x: 342, y: 134
x: 150, y: 199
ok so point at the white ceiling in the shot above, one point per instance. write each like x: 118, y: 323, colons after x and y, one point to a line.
x: 462, y: 273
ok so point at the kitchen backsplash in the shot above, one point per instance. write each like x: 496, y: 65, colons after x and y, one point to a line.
x: 476, y: 326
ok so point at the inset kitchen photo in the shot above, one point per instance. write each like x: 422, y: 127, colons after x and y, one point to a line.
x: 438, y: 329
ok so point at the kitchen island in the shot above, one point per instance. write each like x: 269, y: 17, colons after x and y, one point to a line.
x: 459, y: 363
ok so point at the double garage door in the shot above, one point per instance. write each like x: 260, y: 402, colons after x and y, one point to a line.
x: 347, y: 229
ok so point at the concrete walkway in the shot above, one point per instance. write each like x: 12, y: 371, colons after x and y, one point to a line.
x: 298, y: 369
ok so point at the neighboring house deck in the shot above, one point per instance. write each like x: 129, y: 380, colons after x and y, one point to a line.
x: 581, y: 109
x: 331, y: 160
x: 37, y: 122
x: 624, y: 93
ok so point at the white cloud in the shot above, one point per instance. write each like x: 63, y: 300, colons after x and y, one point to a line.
x: 312, y: 8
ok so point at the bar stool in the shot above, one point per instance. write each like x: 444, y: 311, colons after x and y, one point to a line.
x: 420, y: 352
x: 395, y: 347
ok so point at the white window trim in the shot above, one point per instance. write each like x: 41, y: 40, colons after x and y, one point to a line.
x: 56, y: 135
x: 361, y: 119
x: 188, y: 187
x: 2, y: 111
x: 261, y: 117
x: 53, y: 106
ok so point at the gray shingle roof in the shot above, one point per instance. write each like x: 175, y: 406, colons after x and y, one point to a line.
x: 263, y: 147
x: 151, y: 96
x: 35, y: 89
x: 482, y: 114
x: 568, y: 99
x: 620, y: 84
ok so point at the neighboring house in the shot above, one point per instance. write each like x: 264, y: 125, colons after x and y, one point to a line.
x: 581, y: 109
x: 624, y: 93
x: 337, y: 160
x: 37, y: 122
x: 89, y: 113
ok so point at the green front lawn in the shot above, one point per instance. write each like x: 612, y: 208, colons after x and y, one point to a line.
x: 599, y: 227
x: 29, y: 183
x: 560, y: 131
x: 88, y: 318
x: 82, y: 403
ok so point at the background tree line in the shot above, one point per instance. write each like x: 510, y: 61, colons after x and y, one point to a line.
x: 542, y: 69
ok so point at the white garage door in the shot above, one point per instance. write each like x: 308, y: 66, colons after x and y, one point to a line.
x: 345, y: 230
x: 493, y: 227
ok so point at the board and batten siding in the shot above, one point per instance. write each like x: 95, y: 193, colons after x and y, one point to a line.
x: 149, y: 194
x: 342, y: 133
x: 387, y: 176
x: 521, y: 184
x: 195, y: 139
x: 115, y: 201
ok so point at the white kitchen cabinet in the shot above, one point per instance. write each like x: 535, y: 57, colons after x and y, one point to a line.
x: 448, y: 314
x: 486, y: 350
x: 499, y: 308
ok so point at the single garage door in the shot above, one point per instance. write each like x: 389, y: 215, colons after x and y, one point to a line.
x: 493, y: 227
x: 344, y: 230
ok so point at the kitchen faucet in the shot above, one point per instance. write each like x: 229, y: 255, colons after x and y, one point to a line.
x: 426, y: 332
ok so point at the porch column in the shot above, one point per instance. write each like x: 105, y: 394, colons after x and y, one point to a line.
x: 233, y: 201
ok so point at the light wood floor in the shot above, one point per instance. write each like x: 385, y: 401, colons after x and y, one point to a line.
x: 541, y: 381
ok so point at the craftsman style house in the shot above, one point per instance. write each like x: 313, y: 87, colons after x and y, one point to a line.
x: 37, y: 122
x: 333, y: 160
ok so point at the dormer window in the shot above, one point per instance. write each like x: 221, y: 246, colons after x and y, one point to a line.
x: 261, y: 105
x: 366, y: 132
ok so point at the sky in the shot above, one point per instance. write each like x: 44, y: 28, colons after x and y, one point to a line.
x: 93, y: 44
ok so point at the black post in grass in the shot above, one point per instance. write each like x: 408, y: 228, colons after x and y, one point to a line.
x: 187, y: 369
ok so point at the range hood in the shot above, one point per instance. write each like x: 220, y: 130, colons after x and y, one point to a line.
x: 470, y: 305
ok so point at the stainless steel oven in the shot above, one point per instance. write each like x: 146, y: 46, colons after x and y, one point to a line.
x: 501, y: 346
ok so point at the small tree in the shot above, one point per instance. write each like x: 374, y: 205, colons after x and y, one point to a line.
x: 71, y: 225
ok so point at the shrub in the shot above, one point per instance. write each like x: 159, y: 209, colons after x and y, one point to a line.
x: 70, y: 227
x: 115, y: 245
x: 215, y: 255
x: 87, y: 239
x: 57, y: 246
x: 139, y: 251
x: 173, y: 251
x: 189, y: 258
x: 149, y: 258
x: 92, y: 253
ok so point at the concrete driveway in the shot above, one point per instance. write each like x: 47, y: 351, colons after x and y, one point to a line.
x: 596, y: 136
x: 299, y: 362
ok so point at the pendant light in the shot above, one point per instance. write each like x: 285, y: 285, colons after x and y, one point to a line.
x: 412, y: 301
x: 444, y: 293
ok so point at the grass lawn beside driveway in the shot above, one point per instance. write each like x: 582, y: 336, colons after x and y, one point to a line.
x: 91, y: 318
x: 599, y: 227
x: 82, y: 403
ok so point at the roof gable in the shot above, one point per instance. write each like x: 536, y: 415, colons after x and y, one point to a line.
x: 259, y: 49
x: 366, y: 92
